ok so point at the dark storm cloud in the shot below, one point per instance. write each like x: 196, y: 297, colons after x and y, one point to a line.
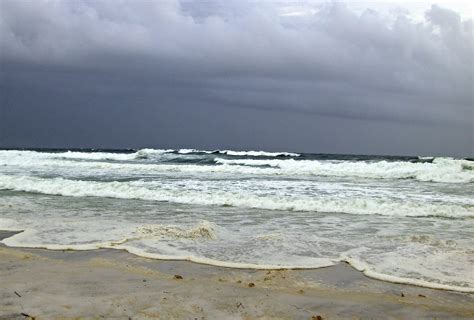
x: 209, y: 74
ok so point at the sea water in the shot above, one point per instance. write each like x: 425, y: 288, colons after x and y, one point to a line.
x: 401, y: 219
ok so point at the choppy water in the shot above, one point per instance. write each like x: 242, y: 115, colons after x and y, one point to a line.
x: 399, y: 219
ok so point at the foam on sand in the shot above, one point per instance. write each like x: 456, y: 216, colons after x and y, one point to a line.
x: 204, y: 230
x: 370, y: 272
x: 167, y: 231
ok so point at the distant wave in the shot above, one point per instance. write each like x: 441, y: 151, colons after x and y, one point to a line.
x: 257, y: 153
x: 24, y: 155
x: 442, y: 170
x: 142, y: 154
x: 226, y: 152
x: 140, y: 190
x: 147, y: 153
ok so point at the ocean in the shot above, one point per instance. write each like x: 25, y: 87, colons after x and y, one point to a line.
x: 399, y: 219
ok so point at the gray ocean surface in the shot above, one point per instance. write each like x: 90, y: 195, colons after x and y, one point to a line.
x: 401, y: 219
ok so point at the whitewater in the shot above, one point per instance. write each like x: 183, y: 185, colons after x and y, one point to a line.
x: 400, y: 219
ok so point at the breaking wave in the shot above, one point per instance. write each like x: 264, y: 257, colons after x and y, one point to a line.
x: 141, y: 190
x: 257, y: 153
x: 144, y: 153
x: 440, y: 170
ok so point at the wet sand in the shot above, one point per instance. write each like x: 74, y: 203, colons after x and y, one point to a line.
x: 47, y: 284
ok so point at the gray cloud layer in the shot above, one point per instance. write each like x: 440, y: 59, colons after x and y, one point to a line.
x: 234, y: 74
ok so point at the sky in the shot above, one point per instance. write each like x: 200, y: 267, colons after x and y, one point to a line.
x: 350, y: 77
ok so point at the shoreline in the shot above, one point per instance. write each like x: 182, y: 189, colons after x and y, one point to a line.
x: 356, y: 265
x: 115, y: 283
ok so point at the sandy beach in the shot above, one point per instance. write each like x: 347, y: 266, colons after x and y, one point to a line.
x: 45, y: 284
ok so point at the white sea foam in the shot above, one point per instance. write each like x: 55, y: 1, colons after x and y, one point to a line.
x: 369, y: 271
x: 132, y: 245
x: 147, y: 153
x: 186, y: 151
x: 93, y: 156
x: 258, y: 153
x: 227, y: 152
x: 441, y: 170
x: 424, y: 239
x: 141, y: 190
x: 26, y: 156
x: 313, y: 263
x: 37, y: 161
x: 204, y: 230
